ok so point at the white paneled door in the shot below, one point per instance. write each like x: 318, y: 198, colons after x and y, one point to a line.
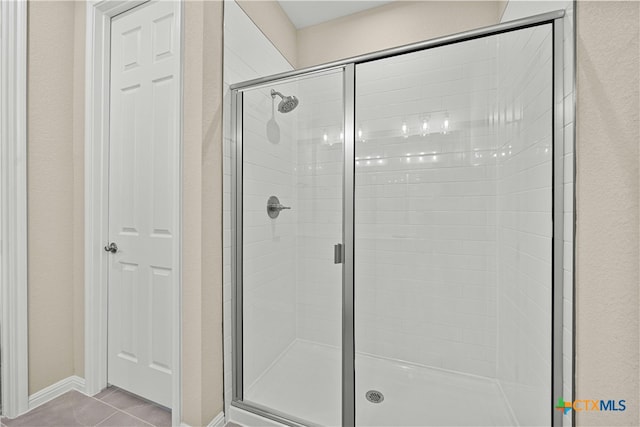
x: 143, y: 166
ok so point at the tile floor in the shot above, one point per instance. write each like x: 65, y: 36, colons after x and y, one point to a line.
x: 111, y: 408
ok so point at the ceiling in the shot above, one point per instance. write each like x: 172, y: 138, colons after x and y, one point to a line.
x: 304, y: 13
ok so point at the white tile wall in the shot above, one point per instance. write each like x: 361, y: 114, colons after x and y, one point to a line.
x: 525, y: 173
x: 425, y: 208
x: 249, y: 54
x: 269, y: 282
x: 520, y: 9
x: 319, y: 192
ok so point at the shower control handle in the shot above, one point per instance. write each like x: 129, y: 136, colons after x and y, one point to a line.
x: 278, y: 207
x: 274, y: 207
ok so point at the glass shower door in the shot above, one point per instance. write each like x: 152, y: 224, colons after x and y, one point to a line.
x: 291, y: 161
x: 453, y: 233
x: 440, y: 170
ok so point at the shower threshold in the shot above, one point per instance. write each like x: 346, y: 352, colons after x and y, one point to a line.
x: 305, y: 383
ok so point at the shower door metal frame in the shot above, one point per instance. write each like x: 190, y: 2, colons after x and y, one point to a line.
x: 348, y: 332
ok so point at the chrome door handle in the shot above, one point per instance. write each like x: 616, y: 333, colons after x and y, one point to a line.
x: 338, y: 256
x: 113, y: 248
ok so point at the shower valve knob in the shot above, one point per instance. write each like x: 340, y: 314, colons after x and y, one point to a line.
x: 274, y: 207
x: 278, y: 207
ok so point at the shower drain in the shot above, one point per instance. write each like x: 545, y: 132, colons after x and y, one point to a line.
x: 374, y: 396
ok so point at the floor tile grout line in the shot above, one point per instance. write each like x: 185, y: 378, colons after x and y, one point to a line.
x: 120, y: 410
x: 136, y: 397
x: 126, y: 413
x: 73, y: 407
x: 116, y: 410
x: 104, y: 419
x: 111, y: 391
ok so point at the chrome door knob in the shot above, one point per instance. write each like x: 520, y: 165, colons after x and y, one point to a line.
x: 113, y: 248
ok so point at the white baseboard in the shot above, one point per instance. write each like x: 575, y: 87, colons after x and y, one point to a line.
x: 54, y: 390
x: 218, y: 421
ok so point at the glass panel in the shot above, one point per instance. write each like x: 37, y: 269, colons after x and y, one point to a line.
x: 291, y: 286
x: 453, y: 230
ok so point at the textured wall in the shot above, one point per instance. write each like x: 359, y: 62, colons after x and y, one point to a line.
x: 51, y: 193
x: 202, y: 214
x: 78, y: 187
x: 607, y: 206
x: 391, y: 25
x: 386, y: 26
x: 211, y: 285
x: 275, y: 24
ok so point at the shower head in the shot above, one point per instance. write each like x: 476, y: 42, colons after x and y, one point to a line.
x: 287, y: 104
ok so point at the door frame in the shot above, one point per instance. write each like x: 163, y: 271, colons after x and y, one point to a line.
x: 97, y: 102
x: 13, y: 208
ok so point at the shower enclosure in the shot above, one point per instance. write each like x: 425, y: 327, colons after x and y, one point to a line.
x: 397, y: 235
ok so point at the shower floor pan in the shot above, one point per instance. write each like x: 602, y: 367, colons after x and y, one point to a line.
x: 305, y: 382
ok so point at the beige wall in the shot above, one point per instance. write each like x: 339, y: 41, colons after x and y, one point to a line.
x: 275, y: 24
x: 54, y: 325
x: 607, y: 208
x: 394, y: 24
x: 78, y: 187
x: 212, y: 155
x: 202, y: 238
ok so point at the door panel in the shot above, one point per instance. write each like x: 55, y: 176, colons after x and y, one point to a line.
x: 453, y: 229
x: 143, y: 142
x: 292, y: 305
